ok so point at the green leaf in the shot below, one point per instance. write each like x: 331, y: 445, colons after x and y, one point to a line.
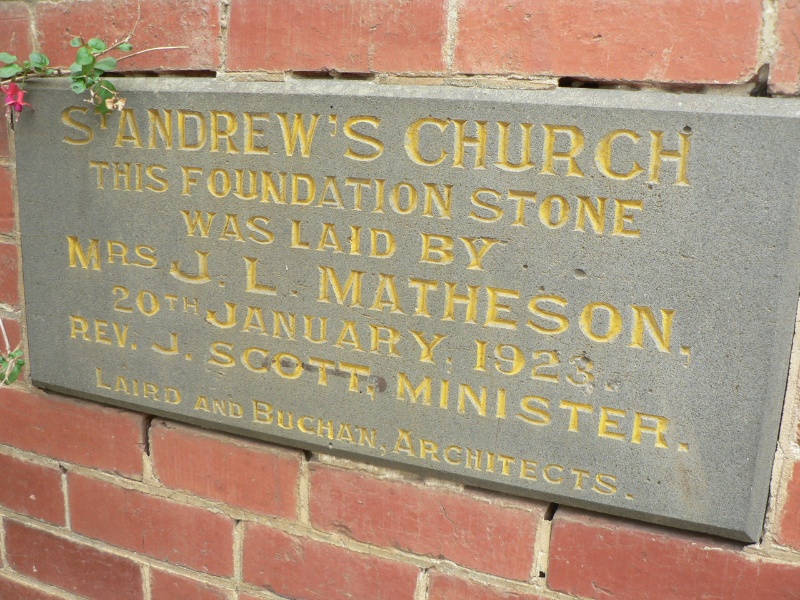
x: 78, y: 86
x: 39, y: 60
x: 75, y: 69
x: 7, y: 58
x: 126, y: 47
x: 14, y: 374
x: 76, y: 42
x: 106, y: 85
x: 10, y: 71
x: 50, y: 72
x: 102, y: 91
x: 84, y: 57
x: 97, y: 44
x: 106, y: 64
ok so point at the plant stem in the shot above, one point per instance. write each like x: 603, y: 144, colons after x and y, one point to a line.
x: 6, y: 343
x: 30, y: 75
x: 152, y: 50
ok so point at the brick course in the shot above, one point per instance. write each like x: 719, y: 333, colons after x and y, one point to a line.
x: 602, y: 558
x: 31, y: 489
x: 167, y: 586
x: 71, y: 566
x: 348, y: 35
x: 309, y: 570
x: 448, y: 587
x: 680, y: 41
x: 177, y: 533
x: 248, y: 475
x: 191, y: 23
x: 788, y: 532
x: 60, y: 427
x: 6, y: 199
x: 13, y: 590
x: 468, y: 530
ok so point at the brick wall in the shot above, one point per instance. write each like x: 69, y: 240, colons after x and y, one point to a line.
x: 107, y: 504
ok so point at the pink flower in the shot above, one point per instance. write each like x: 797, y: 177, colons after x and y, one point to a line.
x: 15, y: 97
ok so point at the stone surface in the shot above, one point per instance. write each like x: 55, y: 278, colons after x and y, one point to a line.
x: 603, y: 322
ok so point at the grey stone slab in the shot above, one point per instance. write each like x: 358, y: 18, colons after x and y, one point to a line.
x: 604, y: 321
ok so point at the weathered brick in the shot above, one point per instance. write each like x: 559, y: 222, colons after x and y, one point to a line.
x: 13, y: 590
x: 604, y: 558
x: 192, y: 23
x: 248, y: 475
x: 31, y: 489
x: 469, y: 530
x: 166, y: 586
x: 15, y: 29
x: 71, y: 566
x: 784, y: 74
x: 178, y: 533
x: 6, y: 200
x: 72, y: 430
x: 788, y: 532
x: 9, y: 277
x: 350, y: 35
x: 309, y: 570
x: 448, y: 587
x: 684, y: 41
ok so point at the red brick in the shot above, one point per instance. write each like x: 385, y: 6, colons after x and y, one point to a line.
x: 6, y: 200
x: 9, y: 277
x: 72, y: 430
x: 192, y: 23
x: 15, y: 29
x: 685, y: 41
x: 251, y: 476
x: 13, y: 590
x: 31, y: 489
x: 349, y: 35
x: 305, y: 569
x: 605, y: 558
x: 470, y: 531
x: 788, y: 533
x: 166, y: 586
x: 73, y: 567
x: 447, y: 587
x: 166, y: 530
x: 4, y: 141
x: 784, y: 74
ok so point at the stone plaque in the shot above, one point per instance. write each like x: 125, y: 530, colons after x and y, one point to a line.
x: 584, y: 297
